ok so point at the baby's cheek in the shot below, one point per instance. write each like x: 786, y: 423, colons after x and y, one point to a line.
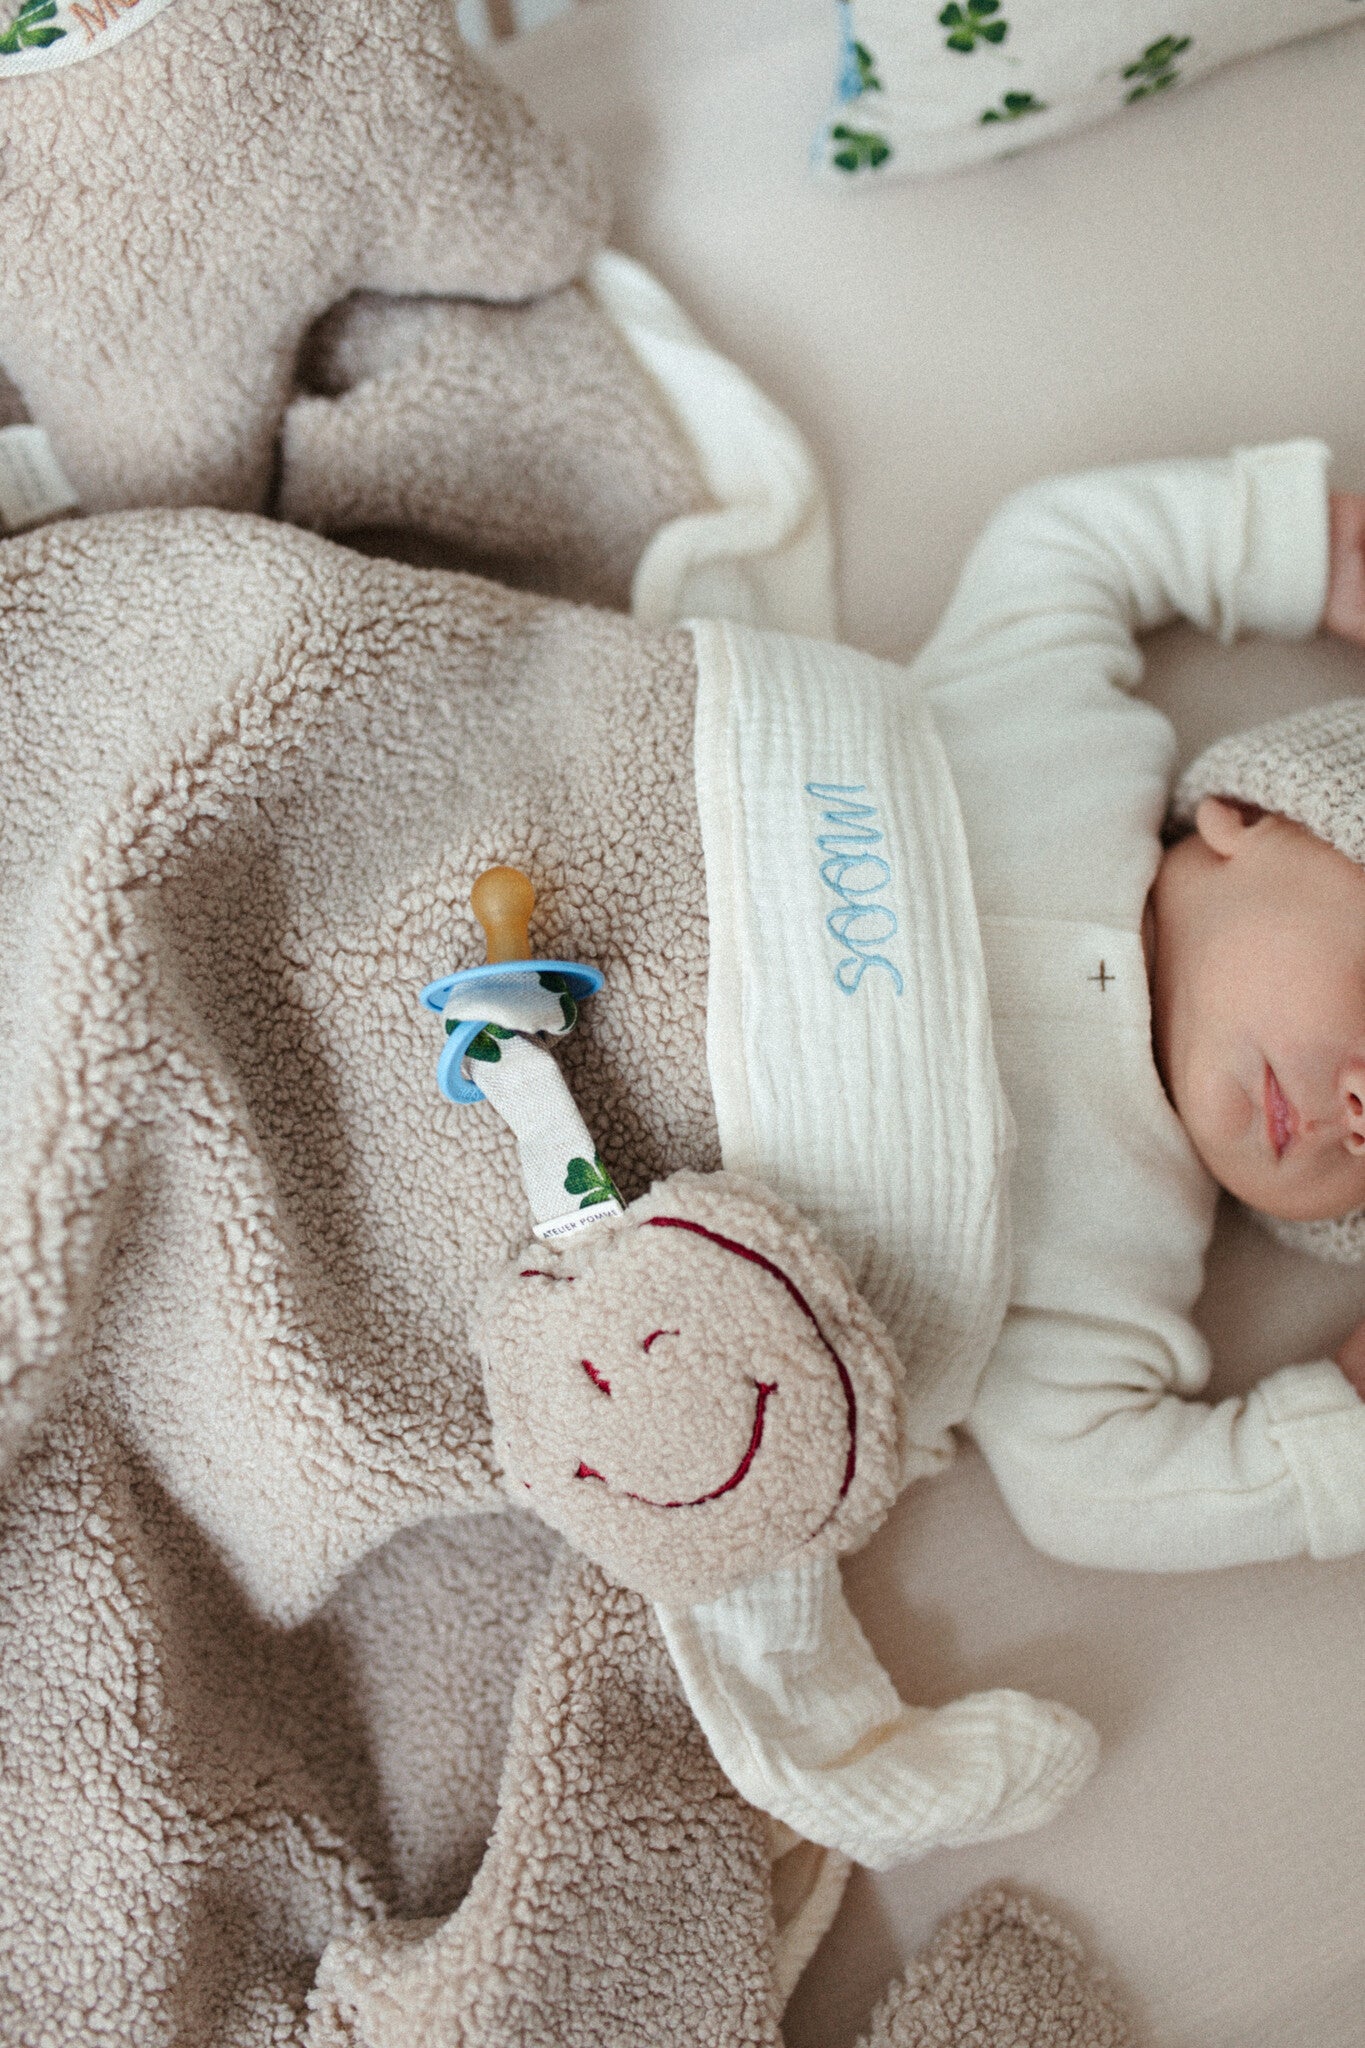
x: 1218, y: 1114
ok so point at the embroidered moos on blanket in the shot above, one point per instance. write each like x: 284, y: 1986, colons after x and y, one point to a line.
x: 187, y: 185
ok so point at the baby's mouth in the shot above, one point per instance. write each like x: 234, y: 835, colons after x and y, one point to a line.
x: 1281, y: 1118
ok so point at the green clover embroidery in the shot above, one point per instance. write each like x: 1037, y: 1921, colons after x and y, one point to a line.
x: 862, y: 150
x: 590, y: 1179
x: 26, y: 32
x: 1013, y: 106
x: 485, y: 1046
x: 868, y: 80
x: 1155, y: 68
x: 971, y: 23
x: 556, y: 985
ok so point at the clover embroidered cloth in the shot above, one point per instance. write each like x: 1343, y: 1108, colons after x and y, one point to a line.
x: 555, y: 1147
x: 927, y: 87
x: 46, y: 35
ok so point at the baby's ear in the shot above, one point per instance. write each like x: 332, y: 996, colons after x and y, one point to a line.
x: 1223, y: 822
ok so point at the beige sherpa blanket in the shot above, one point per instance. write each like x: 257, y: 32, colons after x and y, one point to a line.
x: 266, y: 1679
x: 303, y: 1736
x: 249, y: 776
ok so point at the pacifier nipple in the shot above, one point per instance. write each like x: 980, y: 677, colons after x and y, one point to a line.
x: 502, y: 899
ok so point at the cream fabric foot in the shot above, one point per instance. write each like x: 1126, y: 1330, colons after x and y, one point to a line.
x: 808, y: 1726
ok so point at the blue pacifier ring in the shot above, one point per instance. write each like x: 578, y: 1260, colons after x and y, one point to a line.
x: 582, y: 983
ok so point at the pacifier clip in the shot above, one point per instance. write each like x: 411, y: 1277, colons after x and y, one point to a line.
x: 500, y: 1020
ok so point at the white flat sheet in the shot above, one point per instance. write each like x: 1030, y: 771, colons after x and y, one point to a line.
x: 1180, y: 280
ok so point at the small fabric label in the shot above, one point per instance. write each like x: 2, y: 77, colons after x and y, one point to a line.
x: 578, y: 1219
x: 43, y: 35
x: 32, y: 485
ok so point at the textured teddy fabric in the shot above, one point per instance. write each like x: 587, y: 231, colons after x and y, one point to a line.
x: 1001, y: 1973
x: 642, y: 1367
x: 599, y: 1731
x: 251, y: 778
x: 1309, y: 767
x: 486, y: 430
x: 177, y: 213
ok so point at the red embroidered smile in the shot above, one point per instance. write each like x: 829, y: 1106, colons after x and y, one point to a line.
x: 763, y: 1391
x: 728, y: 1486
x: 1281, y: 1117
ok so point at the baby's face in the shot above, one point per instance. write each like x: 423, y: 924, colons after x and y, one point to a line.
x: 1258, y: 1006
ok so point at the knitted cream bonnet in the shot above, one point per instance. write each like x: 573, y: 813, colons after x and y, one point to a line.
x: 1309, y: 767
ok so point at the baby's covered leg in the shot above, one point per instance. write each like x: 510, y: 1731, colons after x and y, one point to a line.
x: 625, y: 1894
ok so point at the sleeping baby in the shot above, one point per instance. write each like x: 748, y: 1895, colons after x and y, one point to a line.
x: 1230, y: 964
x: 1215, y: 1038
x: 1174, y: 996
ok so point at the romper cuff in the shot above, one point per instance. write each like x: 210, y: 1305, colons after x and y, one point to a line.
x: 1282, y: 585
x: 1318, y: 1420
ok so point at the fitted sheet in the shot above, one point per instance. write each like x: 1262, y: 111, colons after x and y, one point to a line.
x: 1181, y: 280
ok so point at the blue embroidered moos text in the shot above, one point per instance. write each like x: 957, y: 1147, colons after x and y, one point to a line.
x: 859, y: 876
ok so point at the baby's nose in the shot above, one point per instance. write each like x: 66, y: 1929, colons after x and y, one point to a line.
x: 1353, y: 1107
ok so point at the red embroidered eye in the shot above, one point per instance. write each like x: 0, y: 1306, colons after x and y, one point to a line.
x: 535, y: 1273
x: 603, y: 1386
x: 659, y: 1333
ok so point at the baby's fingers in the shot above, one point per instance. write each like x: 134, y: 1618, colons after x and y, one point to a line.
x: 1351, y: 1358
x: 1344, y: 612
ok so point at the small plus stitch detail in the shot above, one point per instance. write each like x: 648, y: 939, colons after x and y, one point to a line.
x: 1104, y: 977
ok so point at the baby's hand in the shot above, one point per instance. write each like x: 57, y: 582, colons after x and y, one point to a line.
x: 1351, y: 1359
x: 1344, y: 612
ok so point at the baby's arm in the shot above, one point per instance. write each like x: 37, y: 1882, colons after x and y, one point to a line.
x: 1103, y: 1462
x: 1069, y: 570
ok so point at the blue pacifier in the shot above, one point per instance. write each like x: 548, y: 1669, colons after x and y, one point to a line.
x: 511, y: 994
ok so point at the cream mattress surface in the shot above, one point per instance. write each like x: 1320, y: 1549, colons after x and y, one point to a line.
x: 1186, y: 278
